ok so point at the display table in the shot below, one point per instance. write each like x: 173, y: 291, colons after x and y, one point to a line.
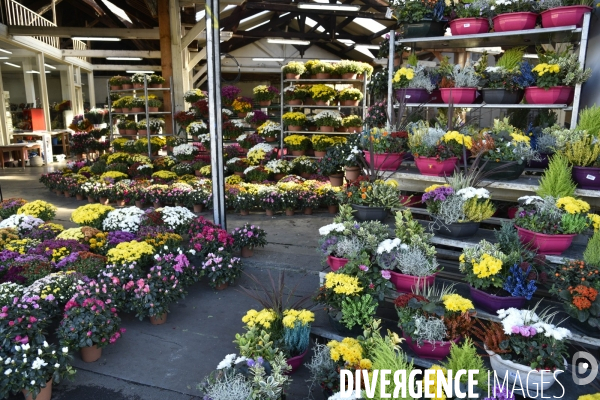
x: 63, y: 134
x: 18, y: 150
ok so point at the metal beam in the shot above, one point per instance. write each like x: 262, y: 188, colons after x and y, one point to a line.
x: 112, y: 53
x: 59, y: 31
x: 108, y: 67
x: 294, y: 9
x: 298, y: 35
x: 191, y: 3
x: 193, y: 33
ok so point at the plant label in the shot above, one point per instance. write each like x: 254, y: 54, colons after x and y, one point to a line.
x: 466, y: 25
x: 591, y: 177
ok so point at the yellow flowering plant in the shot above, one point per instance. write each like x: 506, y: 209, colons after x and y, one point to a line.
x: 241, y: 105
x: 547, y: 75
x: 402, y: 78
x: 293, y: 118
x: 39, y: 209
x: 336, y: 288
x: 297, y: 142
x: 115, y: 176
x: 71, y: 234
x: 322, y: 93
x: 129, y: 252
x: 321, y: 142
x: 552, y: 216
x: 348, y: 353
x: 91, y: 215
x: 482, y: 265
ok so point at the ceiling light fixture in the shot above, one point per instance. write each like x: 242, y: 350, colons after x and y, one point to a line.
x: 328, y: 7
x: 31, y: 71
x: 6, y: 51
x: 124, y: 58
x: 104, y: 39
x: 12, y: 65
x: 50, y: 66
x: 368, y: 46
x: 48, y: 72
x: 288, y: 41
x: 4, y: 58
x: 530, y: 56
x: 139, y: 72
x: 266, y: 59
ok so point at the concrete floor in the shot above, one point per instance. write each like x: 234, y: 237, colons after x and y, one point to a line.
x: 166, y: 362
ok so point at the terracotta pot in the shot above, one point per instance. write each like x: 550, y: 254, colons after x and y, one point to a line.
x: 152, y: 109
x: 91, y: 354
x: 197, y: 173
x: 553, y: 95
x: 155, y: 85
x: 321, y: 103
x: 269, y: 212
x: 320, y: 154
x: 247, y: 252
x: 295, y: 102
x: 115, y: 87
x: 326, y: 128
x: 244, y: 212
x: 385, y: 161
x: 433, y: 351
x: 122, y: 131
x: 120, y: 203
x: 308, y: 211
x: 91, y: 200
x: 564, y: 16
x: 137, y: 109
x: 104, y: 201
x: 117, y: 110
x: 198, y: 208
x: 79, y: 197
x: 142, y: 132
x: 292, y: 76
x: 349, y: 75
x: 294, y: 128
x: 289, y: 212
x: 545, y: 244
x: 296, y: 362
x: 264, y: 103
x: 159, y: 319
x: 277, y: 177
x: 323, y: 75
x: 336, y: 263
x: 44, y: 394
x: 242, y: 114
x: 459, y: 95
x: 514, y: 21
x: 68, y: 194
x: 58, y: 192
x: 587, y: 177
x: 157, y: 204
x: 131, y: 132
x: 333, y: 209
x: 305, y: 175
x: 298, y: 153
x: 270, y: 139
x: 222, y: 286
x: 352, y: 173
x: 336, y: 180
x: 469, y: 26
x: 351, y: 103
x: 139, y: 204
x: 492, y: 303
x: 309, y: 102
x: 406, y: 283
x: 430, y: 166
x: 127, y: 86
x: 341, y: 129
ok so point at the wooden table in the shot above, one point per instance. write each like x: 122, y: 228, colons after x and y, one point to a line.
x: 23, y: 148
x: 62, y: 133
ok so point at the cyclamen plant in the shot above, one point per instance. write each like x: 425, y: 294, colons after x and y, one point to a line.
x: 249, y: 236
x: 222, y: 268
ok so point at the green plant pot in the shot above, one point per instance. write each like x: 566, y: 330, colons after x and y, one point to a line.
x: 509, y: 173
x: 423, y: 28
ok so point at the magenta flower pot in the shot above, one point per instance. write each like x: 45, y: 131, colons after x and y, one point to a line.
x: 469, y: 26
x: 431, y: 166
x: 412, y: 95
x: 436, y: 97
x: 545, y: 244
x: 459, y: 95
x: 336, y: 263
x: 553, y: 95
x: 411, y: 201
x: 296, y: 362
x: 564, y: 16
x: 492, y: 303
x: 587, y: 177
x: 514, y: 21
x: 406, y: 283
x: 432, y: 351
x: 385, y: 161
x: 512, y: 212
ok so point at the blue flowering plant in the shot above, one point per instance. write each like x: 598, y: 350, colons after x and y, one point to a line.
x: 519, y: 283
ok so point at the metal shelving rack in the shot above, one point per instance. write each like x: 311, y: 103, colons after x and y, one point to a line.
x: 145, y: 113
x: 290, y: 82
x: 563, y: 34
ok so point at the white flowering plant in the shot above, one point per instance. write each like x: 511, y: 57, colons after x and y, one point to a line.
x: 260, y: 152
x: 269, y: 129
x: 279, y: 166
x: 328, y: 118
x: 532, y: 339
x: 21, y: 222
x: 197, y: 128
x: 185, y: 152
x: 192, y: 96
x: 126, y: 219
x: 177, y: 218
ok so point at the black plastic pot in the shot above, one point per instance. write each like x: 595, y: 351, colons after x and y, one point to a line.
x: 584, y: 328
x: 456, y: 230
x: 423, y: 28
x: 342, y: 330
x: 501, y: 96
x: 509, y: 173
x: 364, y: 213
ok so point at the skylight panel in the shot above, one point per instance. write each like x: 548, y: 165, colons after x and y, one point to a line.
x: 254, y: 16
x: 117, y: 11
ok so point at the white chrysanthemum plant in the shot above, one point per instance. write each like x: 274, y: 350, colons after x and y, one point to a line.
x: 279, y: 166
x: 21, y: 222
x: 126, y: 219
x: 185, y: 151
x: 197, y: 128
x: 328, y: 118
x: 177, y: 218
x: 335, y: 227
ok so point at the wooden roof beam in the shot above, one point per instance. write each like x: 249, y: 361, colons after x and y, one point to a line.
x: 262, y: 6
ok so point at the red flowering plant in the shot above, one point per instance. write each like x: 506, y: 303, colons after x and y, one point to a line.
x: 232, y: 129
x: 89, y: 321
x: 210, y: 239
x: 184, y: 118
x: 201, y: 107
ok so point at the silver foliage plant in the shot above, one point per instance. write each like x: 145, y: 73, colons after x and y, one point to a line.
x: 320, y: 366
x: 229, y: 388
x: 414, y: 261
x: 421, y: 80
x: 348, y: 247
x: 452, y: 210
x: 464, y: 77
x: 429, y: 328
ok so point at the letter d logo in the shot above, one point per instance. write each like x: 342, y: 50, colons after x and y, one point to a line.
x: 590, y: 365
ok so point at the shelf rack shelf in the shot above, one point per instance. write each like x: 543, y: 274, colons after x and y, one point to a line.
x: 484, y: 105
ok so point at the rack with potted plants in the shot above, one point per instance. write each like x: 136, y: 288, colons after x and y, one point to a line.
x: 419, y: 18
x: 505, y: 82
x: 470, y: 18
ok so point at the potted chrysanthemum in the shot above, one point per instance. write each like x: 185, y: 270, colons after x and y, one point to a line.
x: 328, y: 120
x: 265, y: 94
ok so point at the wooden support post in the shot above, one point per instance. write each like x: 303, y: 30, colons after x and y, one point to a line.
x: 44, y: 90
x: 91, y: 89
x: 166, y: 61
x: 28, y: 80
x: 177, y: 54
x: 4, y: 133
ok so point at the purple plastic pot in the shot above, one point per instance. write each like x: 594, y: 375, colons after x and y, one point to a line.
x: 492, y: 303
x: 542, y: 164
x: 407, y: 95
x: 587, y: 177
x: 296, y: 362
x: 432, y: 351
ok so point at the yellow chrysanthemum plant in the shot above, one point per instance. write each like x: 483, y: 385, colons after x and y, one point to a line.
x: 91, y: 215
x: 483, y: 266
x: 402, y: 78
x: 39, y: 209
x: 127, y: 253
x: 554, y: 216
x: 547, y: 75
